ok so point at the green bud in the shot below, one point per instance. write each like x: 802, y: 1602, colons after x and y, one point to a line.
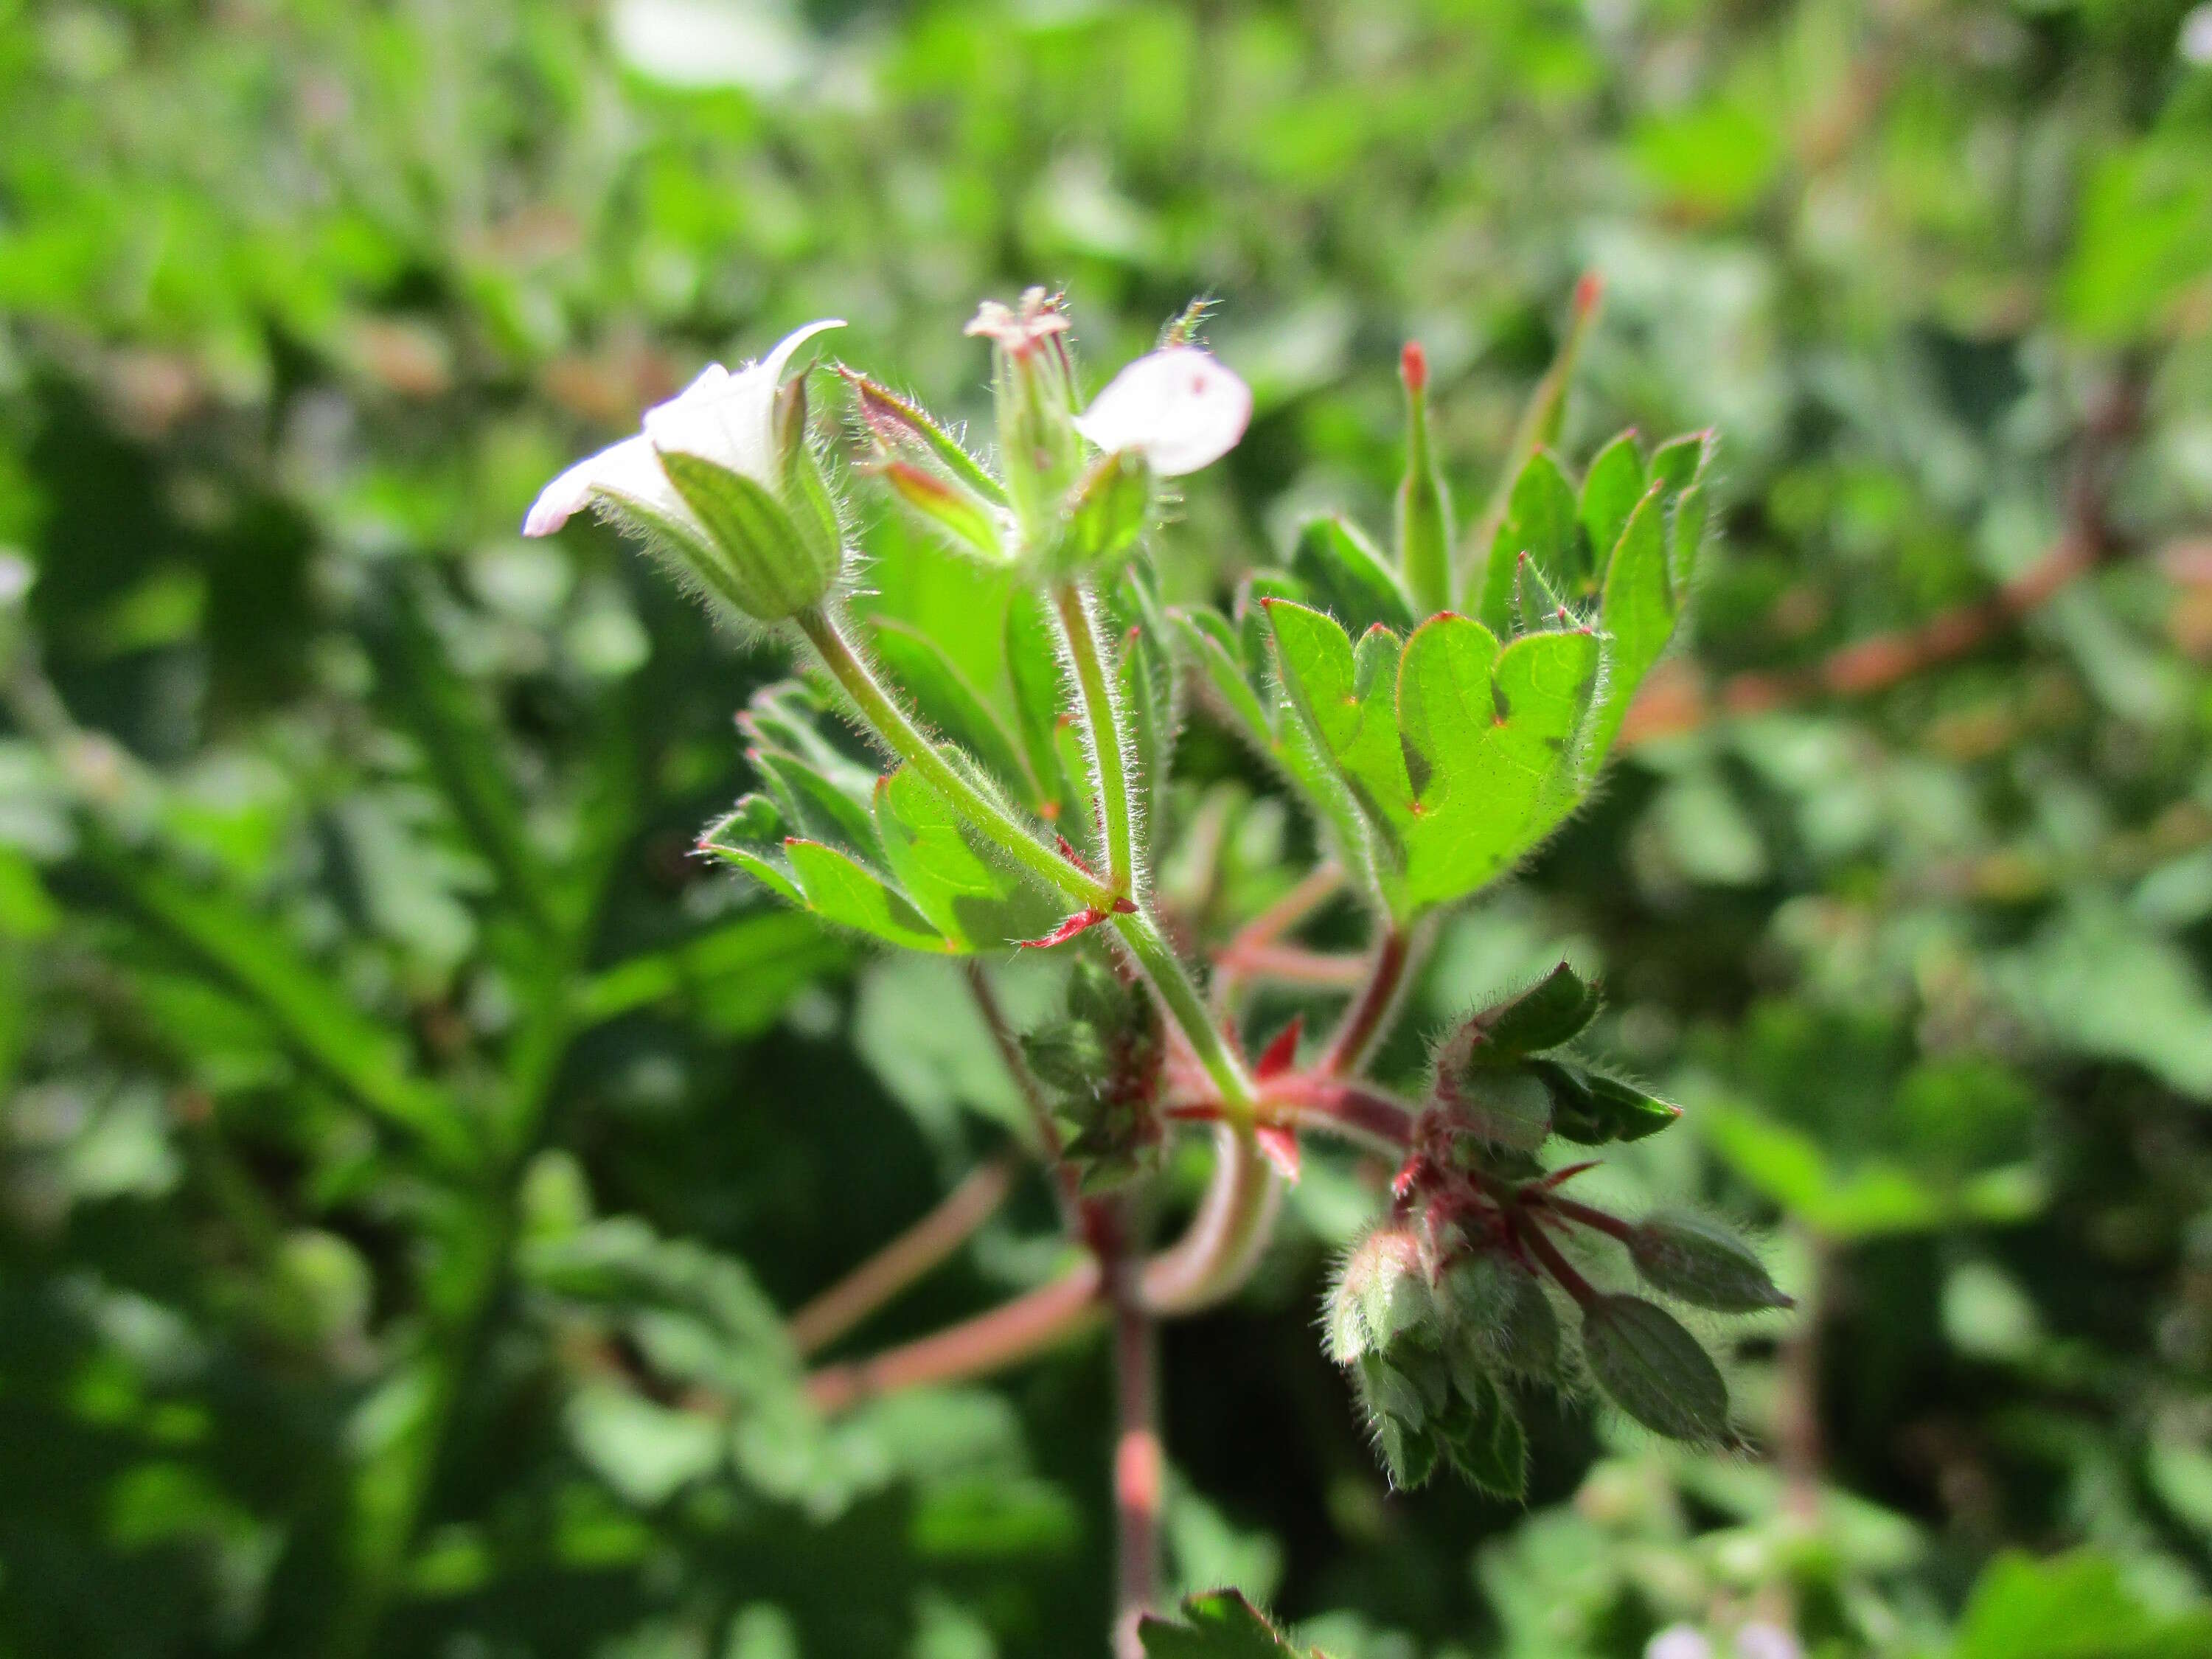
x: 1553, y: 1010
x: 1033, y: 383
x: 1500, y: 1316
x: 1654, y: 1370
x: 1381, y: 1294
x: 1066, y: 1054
x: 1425, y: 533
x: 1689, y: 1258
x: 1482, y: 1435
x: 1590, y: 1108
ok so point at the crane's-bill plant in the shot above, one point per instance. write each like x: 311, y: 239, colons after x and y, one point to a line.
x: 1439, y: 708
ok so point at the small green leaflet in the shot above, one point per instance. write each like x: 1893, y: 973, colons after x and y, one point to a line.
x: 1219, y: 1625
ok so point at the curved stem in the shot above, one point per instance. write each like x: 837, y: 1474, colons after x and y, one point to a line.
x: 1218, y: 1248
x: 1109, y: 759
x: 898, y: 730
x: 913, y: 1253
x: 1354, y: 1111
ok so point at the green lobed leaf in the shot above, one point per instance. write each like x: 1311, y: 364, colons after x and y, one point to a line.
x: 1348, y: 576
x: 1217, y: 1625
x: 1496, y: 732
x: 976, y: 901
x: 1541, y: 521
x: 947, y: 701
x: 839, y: 891
x: 1611, y: 489
x: 1638, y: 611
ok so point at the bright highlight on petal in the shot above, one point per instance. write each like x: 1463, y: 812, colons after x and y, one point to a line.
x: 1179, y: 408
x: 722, y: 418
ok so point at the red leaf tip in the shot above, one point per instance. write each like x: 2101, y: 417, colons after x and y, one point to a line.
x: 1413, y: 366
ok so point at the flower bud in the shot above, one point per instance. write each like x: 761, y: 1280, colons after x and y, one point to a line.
x: 933, y: 476
x: 1698, y: 1263
x: 1654, y: 1370
x: 1424, y: 514
x: 1033, y: 382
x: 1500, y: 1315
x: 723, y: 483
x: 1381, y: 1293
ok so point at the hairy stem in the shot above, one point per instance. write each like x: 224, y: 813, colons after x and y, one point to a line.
x: 1353, y: 1110
x: 1532, y: 1237
x: 907, y: 1258
x: 991, y: 818
x: 1075, y: 608
x: 1160, y: 965
x: 1611, y: 1225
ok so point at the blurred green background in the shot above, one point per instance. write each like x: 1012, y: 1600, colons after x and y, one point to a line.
x: 386, y: 1087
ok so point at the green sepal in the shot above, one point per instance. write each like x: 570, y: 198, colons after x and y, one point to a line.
x: 768, y: 563
x: 1592, y: 1108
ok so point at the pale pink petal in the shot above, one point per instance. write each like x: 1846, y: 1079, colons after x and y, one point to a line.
x: 1179, y: 408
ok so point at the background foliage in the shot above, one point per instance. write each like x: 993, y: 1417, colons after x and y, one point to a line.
x: 394, y: 1109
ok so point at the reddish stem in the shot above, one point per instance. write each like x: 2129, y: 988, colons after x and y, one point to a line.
x: 1352, y: 1110
x: 1368, y: 1020
x: 1611, y: 1225
x: 1532, y: 1237
x: 1013, y: 1331
x: 1140, y: 1461
x: 1040, y: 1112
x: 1291, y: 964
x: 906, y: 1258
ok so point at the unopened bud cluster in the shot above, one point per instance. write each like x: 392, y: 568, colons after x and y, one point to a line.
x: 1458, y: 1295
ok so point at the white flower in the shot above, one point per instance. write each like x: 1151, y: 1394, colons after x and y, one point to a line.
x: 1679, y: 1642
x: 722, y: 418
x: 1178, y: 408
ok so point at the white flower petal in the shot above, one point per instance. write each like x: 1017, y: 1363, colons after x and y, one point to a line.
x: 1179, y: 408
x: 730, y: 418
x: 629, y: 468
x: 723, y: 417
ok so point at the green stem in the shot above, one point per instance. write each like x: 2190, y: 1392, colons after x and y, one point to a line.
x: 990, y: 817
x: 1109, y: 760
x: 1159, y: 962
